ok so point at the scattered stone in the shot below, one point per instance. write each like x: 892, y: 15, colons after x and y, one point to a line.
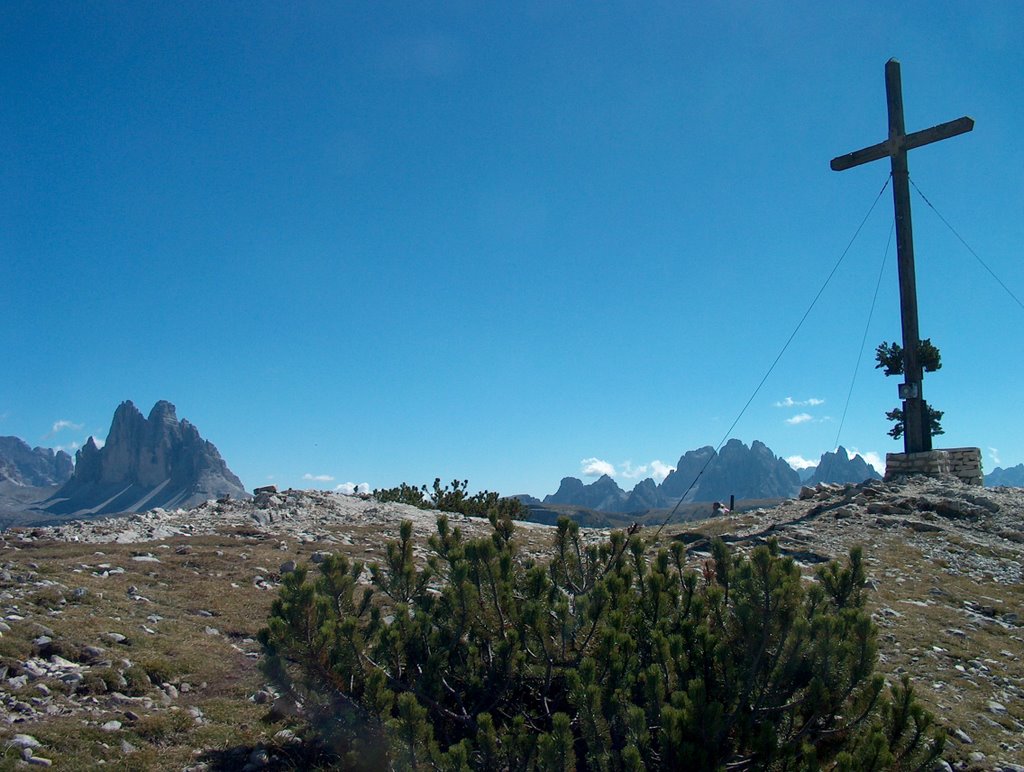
x: 259, y: 757
x: 286, y: 737
x: 263, y: 697
x: 996, y: 708
x: 962, y: 736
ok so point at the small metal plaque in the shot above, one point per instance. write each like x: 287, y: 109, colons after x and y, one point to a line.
x: 909, y: 391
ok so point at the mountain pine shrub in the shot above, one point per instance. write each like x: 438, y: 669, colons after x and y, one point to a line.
x: 454, y: 497
x: 606, y: 657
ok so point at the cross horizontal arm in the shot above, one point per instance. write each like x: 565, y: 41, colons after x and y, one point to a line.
x: 858, y: 157
x: 935, y: 133
x: 908, y: 142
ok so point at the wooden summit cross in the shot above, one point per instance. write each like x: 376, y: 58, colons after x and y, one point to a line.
x: 917, y: 435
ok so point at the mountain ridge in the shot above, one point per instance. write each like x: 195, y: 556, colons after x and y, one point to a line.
x: 34, y: 467
x: 707, y: 475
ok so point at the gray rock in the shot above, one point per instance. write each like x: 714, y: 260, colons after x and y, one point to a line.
x: 263, y: 697
x: 157, y: 461
x: 962, y: 736
x: 286, y: 737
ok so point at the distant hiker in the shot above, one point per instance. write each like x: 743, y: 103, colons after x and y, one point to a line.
x: 718, y: 508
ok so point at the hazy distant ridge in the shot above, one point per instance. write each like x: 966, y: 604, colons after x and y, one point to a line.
x: 22, y: 465
x: 753, y: 472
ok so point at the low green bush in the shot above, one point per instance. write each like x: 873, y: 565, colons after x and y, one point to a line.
x: 454, y: 497
x: 607, y: 657
x: 137, y: 681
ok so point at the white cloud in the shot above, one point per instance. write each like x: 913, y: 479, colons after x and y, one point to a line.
x: 631, y: 472
x: 790, y: 402
x: 875, y: 460
x: 799, y: 418
x: 660, y: 471
x: 62, y: 424
x: 98, y: 442
x: 317, y: 477
x: 799, y: 462
x: 351, y: 488
x: 994, y: 452
x: 595, y: 467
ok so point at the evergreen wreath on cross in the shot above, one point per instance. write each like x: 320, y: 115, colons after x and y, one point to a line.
x: 889, y: 357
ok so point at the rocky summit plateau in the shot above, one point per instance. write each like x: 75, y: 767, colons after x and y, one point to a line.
x: 131, y: 641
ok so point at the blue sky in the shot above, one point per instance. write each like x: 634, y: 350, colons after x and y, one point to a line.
x: 366, y: 242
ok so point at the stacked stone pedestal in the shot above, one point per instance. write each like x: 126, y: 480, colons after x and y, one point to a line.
x: 964, y: 463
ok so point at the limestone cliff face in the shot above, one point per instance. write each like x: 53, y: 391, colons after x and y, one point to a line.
x: 747, y: 473
x: 145, y: 463
x: 22, y: 465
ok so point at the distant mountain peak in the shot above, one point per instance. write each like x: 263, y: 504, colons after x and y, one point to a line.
x: 840, y: 467
x: 37, y: 467
x: 700, y: 475
x: 157, y: 461
x: 604, y: 494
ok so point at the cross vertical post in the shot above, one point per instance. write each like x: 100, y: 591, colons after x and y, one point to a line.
x: 917, y: 437
x: 916, y: 426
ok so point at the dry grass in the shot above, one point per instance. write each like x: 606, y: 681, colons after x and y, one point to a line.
x: 203, y: 643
